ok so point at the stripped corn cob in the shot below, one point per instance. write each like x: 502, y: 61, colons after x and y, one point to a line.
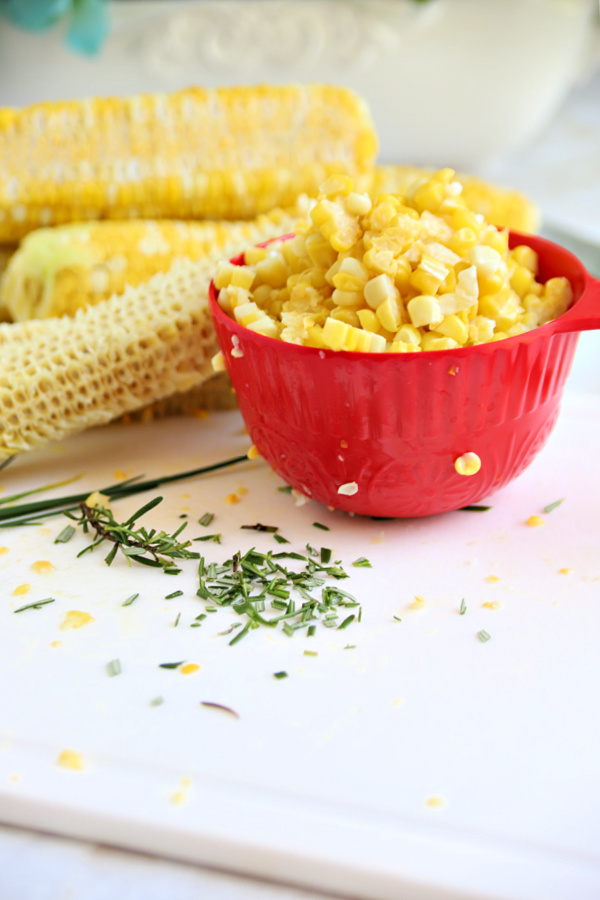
x: 225, y: 153
x: 58, y: 270
x: 501, y: 206
x: 62, y: 375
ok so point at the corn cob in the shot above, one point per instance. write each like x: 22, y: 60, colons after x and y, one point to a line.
x: 60, y: 376
x: 225, y: 153
x: 501, y: 206
x: 58, y: 270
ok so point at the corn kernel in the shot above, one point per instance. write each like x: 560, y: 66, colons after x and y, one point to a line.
x: 358, y: 204
x: 335, y: 333
x: 320, y: 251
x: 347, y: 298
x: 368, y: 320
x: 345, y: 314
x: 424, y: 310
x: 403, y: 347
x: 467, y: 464
x: 526, y: 256
x: 379, y: 289
x: 382, y: 261
x: 462, y: 240
x: 265, y: 326
x: 435, y: 340
x: 253, y: 452
x: 453, y: 327
x: 408, y: 334
x: 352, y: 275
x: 254, y: 255
x: 272, y: 270
x: 534, y: 521
x: 218, y: 362
x: 337, y: 184
x: 521, y: 280
x: 485, y: 259
x: 242, y: 276
x: 247, y: 313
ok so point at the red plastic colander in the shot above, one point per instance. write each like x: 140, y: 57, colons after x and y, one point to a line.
x: 387, y: 428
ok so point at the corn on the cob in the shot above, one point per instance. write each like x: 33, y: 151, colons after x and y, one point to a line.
x: 58, y: 270
x: 504, y: 207
x: 59, y: 376
x: 225, y: 153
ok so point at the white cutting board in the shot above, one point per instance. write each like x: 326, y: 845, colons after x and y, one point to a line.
x: 421, y: 764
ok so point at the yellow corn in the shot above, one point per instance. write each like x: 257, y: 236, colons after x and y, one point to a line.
x: 501, y: 206
x: 58, y: 270
x: 223, y: 153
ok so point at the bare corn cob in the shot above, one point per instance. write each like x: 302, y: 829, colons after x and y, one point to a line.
x: 58, y: 270
x: 501, y: 206
x: 225, y: 153
x: 60, y: 376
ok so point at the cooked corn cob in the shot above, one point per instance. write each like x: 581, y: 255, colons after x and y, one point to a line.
x: 225, y: 153
x: 501, y: 206
x: 59, y: 376
x: 58, y: 270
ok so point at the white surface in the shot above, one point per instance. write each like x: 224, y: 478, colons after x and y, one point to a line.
x: 450, y: 82
x: 325, y: 777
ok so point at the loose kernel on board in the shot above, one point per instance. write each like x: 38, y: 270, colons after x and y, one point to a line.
x: 70, y: 759
x: 253, y: 452
x: 534, y: 521
x: 43, y: 567
x: 468, y: 464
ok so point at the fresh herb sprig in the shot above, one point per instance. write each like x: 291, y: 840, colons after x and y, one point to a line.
x: 151, y: 548
x: 29, y: 513
x: 250, y: 582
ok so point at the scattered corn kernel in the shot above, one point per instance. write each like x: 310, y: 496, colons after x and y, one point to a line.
x: 348, y: 489
x: 534, y: 521
x: 468, y: 464
x: 253, y: 452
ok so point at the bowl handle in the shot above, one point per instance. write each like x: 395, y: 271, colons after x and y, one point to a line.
x: 585, y: 314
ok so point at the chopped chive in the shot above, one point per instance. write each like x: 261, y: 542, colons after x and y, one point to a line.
x: 463, y: 607
x: 171, y: 570
x: 174, y: 665
x: 195, y: 624
x: 271, y: 529
x: 280, y: 675
x: 350, y: 647
x: 397, y: 618
x: 157, y: 701
x: 200, y: 618
x: 311, y: 630
x: 346, y: 622
x: 210, y: 609
x: 474, y: 508
x: 206, y: 519
x: 173, y: 595
x: 484, y: 636
x: 65, y: 535
x: 286, y: 489
x: 551, y: 506
x: 220, y: 706
x: 176, y: 622
x: 319, y: 525
x: 215, y: 538
x: 310, y: 653
x: 130, y: 600
x: 183, y: 516
x: 280, y: 539
x: 37, y: 605
x: 113, y: 667
x: 362, y: 562
x: 325, y: 555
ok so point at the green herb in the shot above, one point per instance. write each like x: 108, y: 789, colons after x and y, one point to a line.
x: 280, y: 539
x: 206, y: 519
x: 173, y: 595
x: 311, y: 630
x: 26, y: 512
x: 176, y: 622
x: 215, y: 538
x: 183, y: 516
x: 37, y: 605
x: 362, y: 563
x: 65, y: 535
x: 46, y: 487
x: 474, y: 508
x: 150, y: 548
x: 130, y: 600
x: 322, y: 527
x: 350, y: 647
x: 220, y: 706
x: 157, y: 701
x: 325, y: 555
x: 484, y: 636
x: 280, y: 675
x: 551, y: 506
x: 310, y: 653
x: 397, y: 619
x: 113, y: 667
x: 171, y: 665
x: 463, y: 607
x: 346, y: 622
x: 286, y: 489
x: 258, y: 527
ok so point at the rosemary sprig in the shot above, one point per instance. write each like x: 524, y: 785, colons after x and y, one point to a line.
x: 25, y: 513
x: 151, y: 548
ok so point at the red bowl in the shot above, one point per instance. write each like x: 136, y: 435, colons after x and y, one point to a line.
x: 394, y: 423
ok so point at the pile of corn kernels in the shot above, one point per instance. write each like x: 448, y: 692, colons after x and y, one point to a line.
x: 392, y: 273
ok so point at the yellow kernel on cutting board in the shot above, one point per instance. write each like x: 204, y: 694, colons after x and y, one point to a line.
x: 418, y: 603
x: 189, y: 669
x: 119, y: 475
x: 253, y: 452
x: 492, y: 579
x: 76, y: 619
x: 242, y: 491
x: 534, y: 521
x: 467, y: 464
x: 232, y: 499
x: 56, y: 644
x: 435, y: 802
x: 398, y: 701
x: 3, y: 550
x: 21, y: 589
x: 69, y: 759
x: 492, y: 604
x: 564, y: 571
x: 42, y: 566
